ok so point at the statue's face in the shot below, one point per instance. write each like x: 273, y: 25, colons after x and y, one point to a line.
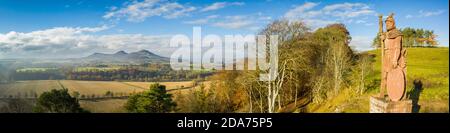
x: 390, y: 25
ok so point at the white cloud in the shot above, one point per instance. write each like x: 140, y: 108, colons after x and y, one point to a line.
x: 409, y: 16
x: 248, y: 22
x: 361, y: 43
x: 299, y: 10
x: 254, y: 28
x: 180, y: 13
x: 316, y: 16
x: 345, y: 7
x: 202, y: 20
x: 369, y: 24
x: 236, y: 22
x: 342, y: 12
x: 423, y: 13
x: 75, y: 42
x: 265, y: 18
x: 220, y: 5
x: 138, y: 11
x: 352, y: 14
x: 316, y: 23
x: 233, y: 24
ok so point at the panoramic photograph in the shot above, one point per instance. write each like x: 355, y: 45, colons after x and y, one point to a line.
x: 238, y: 56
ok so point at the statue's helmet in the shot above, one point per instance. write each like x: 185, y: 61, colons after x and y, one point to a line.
x: 390, y: 18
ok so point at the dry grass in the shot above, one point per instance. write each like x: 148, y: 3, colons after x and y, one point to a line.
x: 98, y: 87
x: 169, y: 85
x: 27, y: 88
x: 89, y: 88
x: 104, y: 106
x: 429, y: 65
x: 83, y: 87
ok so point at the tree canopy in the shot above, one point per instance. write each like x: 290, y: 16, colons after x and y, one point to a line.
x: 413, y: 38
x: 57, y: 101
x: 154, y: 100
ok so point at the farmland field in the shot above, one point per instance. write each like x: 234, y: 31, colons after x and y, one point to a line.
x: 28, y: 88
x: 32, y: 88
x: 103, y: 69
x: 169, y: 85
x: 35, y: 69
x: 104, y: 106
x: 98, y: 87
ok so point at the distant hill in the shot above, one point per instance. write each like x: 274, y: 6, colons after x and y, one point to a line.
x: 122, y: 57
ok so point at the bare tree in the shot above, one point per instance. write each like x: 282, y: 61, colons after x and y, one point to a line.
x: 288, y: 32
x: 339, y: 60
x: 18, y: 106
x: 363, y: 69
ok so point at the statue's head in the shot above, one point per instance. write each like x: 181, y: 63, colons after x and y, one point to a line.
x: 390, y: 22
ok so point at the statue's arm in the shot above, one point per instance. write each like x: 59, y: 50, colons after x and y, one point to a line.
x: 382, y: 38
x: 397, y: 50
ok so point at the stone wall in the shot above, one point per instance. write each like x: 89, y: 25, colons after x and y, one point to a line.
x: 380, y: 105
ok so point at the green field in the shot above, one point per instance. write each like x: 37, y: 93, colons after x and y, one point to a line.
x: 429, y: 65
x: 35, y: 69
x: 27, y: 88
x: 99, y: 69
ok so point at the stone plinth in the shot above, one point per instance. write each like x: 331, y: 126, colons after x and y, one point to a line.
x: 381, y: 105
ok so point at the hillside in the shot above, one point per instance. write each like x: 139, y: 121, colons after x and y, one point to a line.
x: 121, y: 57
x: 429, y: 65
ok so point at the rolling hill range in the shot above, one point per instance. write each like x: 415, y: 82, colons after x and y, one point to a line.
x: 121, y: 57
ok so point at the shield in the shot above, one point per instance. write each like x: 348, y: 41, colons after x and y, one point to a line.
x: 395, y: 84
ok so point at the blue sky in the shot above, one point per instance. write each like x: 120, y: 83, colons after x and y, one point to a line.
x: 75, y: 28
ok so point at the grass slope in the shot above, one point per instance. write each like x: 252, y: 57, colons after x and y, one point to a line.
x: 429, y: 65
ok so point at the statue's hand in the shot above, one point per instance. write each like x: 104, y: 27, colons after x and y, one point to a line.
x: 395, y: 64
x: 382, y: 36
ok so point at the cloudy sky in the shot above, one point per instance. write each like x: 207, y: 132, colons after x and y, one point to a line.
x: 76, y: 28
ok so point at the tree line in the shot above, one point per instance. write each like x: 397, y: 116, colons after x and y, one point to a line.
x: 146, y: 73
x: 413, y: 37
x: 132, y: 74
x: 54, y: 101
x: 313, y: 67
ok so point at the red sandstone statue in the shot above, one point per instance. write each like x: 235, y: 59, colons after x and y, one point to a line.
x: 393, y: 61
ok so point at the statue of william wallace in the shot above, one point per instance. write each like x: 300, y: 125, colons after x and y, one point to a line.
x: 393, y: 61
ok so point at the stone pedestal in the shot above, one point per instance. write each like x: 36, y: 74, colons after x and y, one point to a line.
x: 381, y: 105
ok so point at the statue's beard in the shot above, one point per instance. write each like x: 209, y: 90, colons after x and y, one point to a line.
x: 390, y: 28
